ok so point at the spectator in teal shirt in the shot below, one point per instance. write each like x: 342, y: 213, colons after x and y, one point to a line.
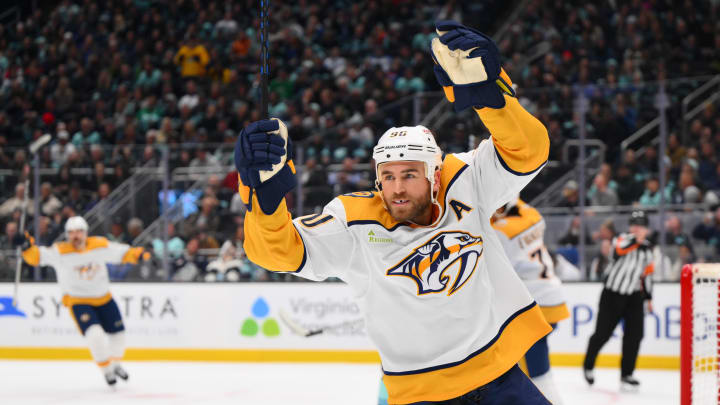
x: 150, y: 113
x: 175, y: 245
x: 149, y: 78
x: 421, y: 39
x: 651, y: 195
x: 409, y: 82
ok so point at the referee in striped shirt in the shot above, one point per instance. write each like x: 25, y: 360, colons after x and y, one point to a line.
x: 627, y: 286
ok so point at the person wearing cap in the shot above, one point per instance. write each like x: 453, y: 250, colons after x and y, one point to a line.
x: 80, y: 263
x: 448, y: 314
x: 62, y: 149
x: 627, y: 287
x: 570, y: 194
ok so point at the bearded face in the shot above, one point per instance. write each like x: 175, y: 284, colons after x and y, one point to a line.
x: 77, y: 238
x: 406, y: 191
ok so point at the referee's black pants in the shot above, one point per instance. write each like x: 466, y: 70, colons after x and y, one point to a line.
x: 613, y: 307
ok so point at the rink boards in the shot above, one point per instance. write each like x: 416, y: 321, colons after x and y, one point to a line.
x: 241, y: 322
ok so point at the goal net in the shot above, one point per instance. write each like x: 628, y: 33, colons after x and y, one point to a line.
x: 699, y: 348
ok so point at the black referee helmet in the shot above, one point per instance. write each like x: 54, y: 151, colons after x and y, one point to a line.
x: 639, y: 218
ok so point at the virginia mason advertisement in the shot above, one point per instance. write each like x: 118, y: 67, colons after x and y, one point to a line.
x: 242, y: 316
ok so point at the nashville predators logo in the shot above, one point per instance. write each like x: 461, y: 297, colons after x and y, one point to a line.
x: 429, y: 263
x: 87, y: 272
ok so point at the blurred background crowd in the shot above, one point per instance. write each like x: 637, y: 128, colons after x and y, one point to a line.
x: 128, y: 86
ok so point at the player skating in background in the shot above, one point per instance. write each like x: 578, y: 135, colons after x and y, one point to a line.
x: 521, y: 230
x: 80, y: 267
x: 443, y: 306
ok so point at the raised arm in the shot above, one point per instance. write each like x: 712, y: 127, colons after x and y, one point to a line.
x: 271, y: 241
x: 117, y: 253
x: 521, y: 140
x: 467, y: 65
x: 315, y: 246
x: 125, y: 253
x: 266, y: 174
x: 33, y: 254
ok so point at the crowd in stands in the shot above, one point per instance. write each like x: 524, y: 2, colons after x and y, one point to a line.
x: 612, y: 52
x: 616, y: 54
x: 698, y: 242
x: 185, y: 73
x: 692, y: 188
x: 114, y: 82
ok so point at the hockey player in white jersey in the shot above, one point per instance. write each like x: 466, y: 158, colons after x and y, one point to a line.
x: 80, y: 267
x: 521, y: 229
x: 447, y: 313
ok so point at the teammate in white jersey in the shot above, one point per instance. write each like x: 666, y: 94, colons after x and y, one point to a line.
x: 521, y: 230
x: 80, y: 266
x: 447, y: 313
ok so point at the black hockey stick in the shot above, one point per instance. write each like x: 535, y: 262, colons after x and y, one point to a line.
x: 34, y: 148
x: 298, y: 329
x: 264, y: 58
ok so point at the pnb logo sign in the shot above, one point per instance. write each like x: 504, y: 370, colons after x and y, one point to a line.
x: 7, y: 309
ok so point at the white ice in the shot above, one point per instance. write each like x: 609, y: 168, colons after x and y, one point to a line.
x: 79, y: 383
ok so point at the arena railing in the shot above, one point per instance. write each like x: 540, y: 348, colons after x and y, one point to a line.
x: 552, y: 193
x: 558, y: 222
x: 123, y: 195
x: 647, y: 134
x: 713, y: 86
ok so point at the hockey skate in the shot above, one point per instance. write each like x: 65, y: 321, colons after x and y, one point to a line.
x: 629, y: 384
x: 110, y: 378
x: 120, y: 372
x: 589, y: 375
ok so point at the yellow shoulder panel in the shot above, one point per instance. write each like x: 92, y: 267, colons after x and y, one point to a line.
x: 451, y: 169
x: 512, y: 226
x: 93, y: 242
x: 65, y: 248
x: 96, y: 242
x: 530, y: 213
x: 366, y: 207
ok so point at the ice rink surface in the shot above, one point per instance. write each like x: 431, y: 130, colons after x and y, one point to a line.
x: 79, y: 383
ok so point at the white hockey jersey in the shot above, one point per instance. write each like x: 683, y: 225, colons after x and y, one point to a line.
x: 522, y: 232
x: 443, y: 305
x: 82, y: 275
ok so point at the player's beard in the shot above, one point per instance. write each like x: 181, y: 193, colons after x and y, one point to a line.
x: 78, y: 243
x: 415, y: 212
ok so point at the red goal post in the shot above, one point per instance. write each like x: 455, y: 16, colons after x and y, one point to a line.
x: 699, y: 334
